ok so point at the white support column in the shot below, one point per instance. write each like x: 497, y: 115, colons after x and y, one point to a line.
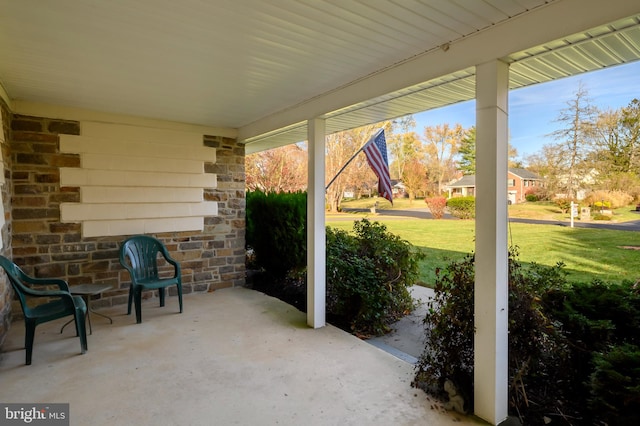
x: 316, y: 233
x: 491, y: 253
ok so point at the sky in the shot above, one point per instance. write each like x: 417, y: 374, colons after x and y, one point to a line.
x: 533, y: 110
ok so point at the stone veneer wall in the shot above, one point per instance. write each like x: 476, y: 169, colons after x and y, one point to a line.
x: 45, y: 247
x: 6, y: 292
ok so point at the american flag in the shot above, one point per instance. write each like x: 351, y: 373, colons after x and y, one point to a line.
x: 376, y: 152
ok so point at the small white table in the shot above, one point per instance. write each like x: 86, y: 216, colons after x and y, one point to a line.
x: 87, y: 291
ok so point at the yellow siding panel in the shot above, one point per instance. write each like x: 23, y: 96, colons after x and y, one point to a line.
x: 80, y: 212
x: 108, y: 194
x: 137, y: 149
x: 138, y: 133
x: 70, y: 176
x: 129, y: 163
x: 144, y: 226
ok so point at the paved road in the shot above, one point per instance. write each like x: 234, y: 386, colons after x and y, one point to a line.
x: 424, y: 214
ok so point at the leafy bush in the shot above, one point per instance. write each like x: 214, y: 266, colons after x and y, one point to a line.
x: 574, y: 349
x: 462, y: 207
x: 599, y: 216
x: 564, y: 204
x: 541, y: 192
x: 615, y: 391
x: 277, y: 230
x: 449, y: 332
x: 608, y: 199
x: 531, y: 197
x: 537, y: 353
x: 627, y: 182
x: 602, y: 205
x: 368, y: 275
x: 436, y: 206
x: 601, y: 321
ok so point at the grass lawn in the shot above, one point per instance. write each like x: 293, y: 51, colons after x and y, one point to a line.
x: 586, y: 253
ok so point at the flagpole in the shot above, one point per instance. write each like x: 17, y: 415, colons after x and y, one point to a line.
x: 351, y: 159
x: 345, y: 166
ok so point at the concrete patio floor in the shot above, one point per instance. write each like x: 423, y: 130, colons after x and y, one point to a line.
x: 234, y: 357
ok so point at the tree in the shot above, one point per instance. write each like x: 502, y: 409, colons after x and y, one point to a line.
x: 441, y: 145
x: 616, y: 156
x: 340, y: 147
x: 467, y: 162
x: 631, y: 132
x: 282, y: 169
x: 414, y: 178
x: 404, y: 146
x: 546, y: 164
x: 611, y: 152
x: 577, y: 122
x: 467, y: 151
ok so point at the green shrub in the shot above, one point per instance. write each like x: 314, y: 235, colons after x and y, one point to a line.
x: 564, y: 204
x: 599, y: 216
x: 462, y: 207
x: 436, y: 206
x: 541, y: 193
x: 615, y: 389
x: 276, y: 230
x: 368, y: 275
x: 596, y: 318
x: 539, y: 355
x: 531, y: 197
x: 449, y: 332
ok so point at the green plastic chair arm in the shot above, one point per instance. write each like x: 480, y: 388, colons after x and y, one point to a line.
x: 61, y: 284
x: 45, y: 293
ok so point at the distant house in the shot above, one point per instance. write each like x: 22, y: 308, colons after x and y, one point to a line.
x: 582, y: 183
x: 520, y: 182
x: 463, y: 187
x: 399, y: 190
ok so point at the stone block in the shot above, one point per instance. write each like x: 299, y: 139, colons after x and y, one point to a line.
x: 65, y: 127
x: 26, y: 124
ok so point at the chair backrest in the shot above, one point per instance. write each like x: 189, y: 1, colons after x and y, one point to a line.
x: 139, y: 255
x: 17, y: 278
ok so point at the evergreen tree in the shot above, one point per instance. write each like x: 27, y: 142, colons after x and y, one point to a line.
x: 467, y: 152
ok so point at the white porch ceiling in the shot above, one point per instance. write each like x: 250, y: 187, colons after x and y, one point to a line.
x: 248, y: 64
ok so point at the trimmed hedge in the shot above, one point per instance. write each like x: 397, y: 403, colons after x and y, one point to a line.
x: 462, y: 207
x: 277, y: 230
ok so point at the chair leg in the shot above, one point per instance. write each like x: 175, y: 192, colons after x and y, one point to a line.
x: 81, y: 327
x: 30, y: 332
x: 138, y: 302
x: 180, y: 296
x: 130, y: 299
x: 161, y: 295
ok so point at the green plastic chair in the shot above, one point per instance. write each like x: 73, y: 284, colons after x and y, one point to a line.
x: 61, y: 304
x: 139, y: 255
